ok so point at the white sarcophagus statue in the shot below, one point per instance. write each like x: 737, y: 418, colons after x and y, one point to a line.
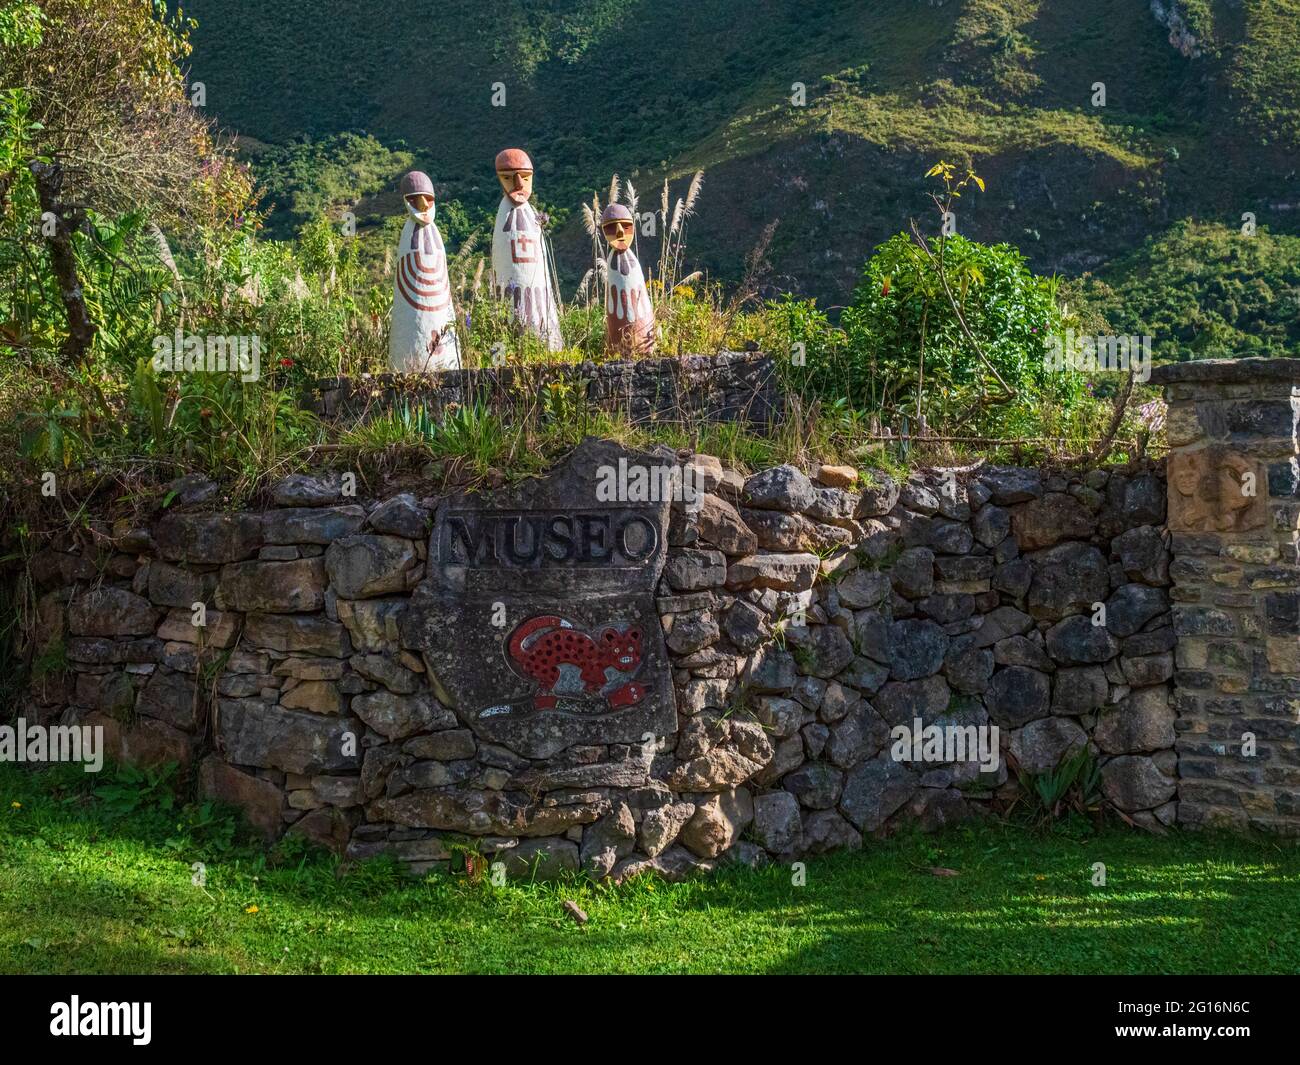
x: 521, y: 268
x: 423, y: 335
x: 629, y: 314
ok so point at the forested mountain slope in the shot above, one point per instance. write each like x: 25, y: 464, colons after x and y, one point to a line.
x: 1201, y: 115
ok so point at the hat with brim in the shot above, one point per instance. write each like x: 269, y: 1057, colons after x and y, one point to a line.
x: 615, y: 212
x: 416, y: 183
x: 513, y: 159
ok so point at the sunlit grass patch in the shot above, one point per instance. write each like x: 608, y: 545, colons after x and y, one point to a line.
x: 83, y: 891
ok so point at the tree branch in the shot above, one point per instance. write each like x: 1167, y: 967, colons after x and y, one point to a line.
x: 1010, y: 393
x: 1107, y: 441
x: 67, y: 220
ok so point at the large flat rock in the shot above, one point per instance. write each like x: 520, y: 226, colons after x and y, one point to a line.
x: 537, y: 619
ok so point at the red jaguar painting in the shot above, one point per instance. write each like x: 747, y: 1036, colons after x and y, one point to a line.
x: 566, y: 661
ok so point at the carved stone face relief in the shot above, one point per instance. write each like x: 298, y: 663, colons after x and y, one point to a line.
x: 538, y: 620
x: 1214, y: 489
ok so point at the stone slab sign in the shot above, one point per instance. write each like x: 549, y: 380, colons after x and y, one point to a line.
x: 537, y: 620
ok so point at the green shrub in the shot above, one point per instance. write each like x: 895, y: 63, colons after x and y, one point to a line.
x: 909, y: 355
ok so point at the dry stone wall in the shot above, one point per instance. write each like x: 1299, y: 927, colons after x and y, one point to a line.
x: 731, y: 386
x: 1032, y: 604
x: 578, y: 672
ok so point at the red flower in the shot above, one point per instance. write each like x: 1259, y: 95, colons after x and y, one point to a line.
x: 286, y: 362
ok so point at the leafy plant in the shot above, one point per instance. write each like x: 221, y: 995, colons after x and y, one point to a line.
x: 1074, y: 785
x: 910, y: 352
x: 146, y: 396
x: 206, y: 829
x: 466, y: 854
x: 129, y: 789
x: 471, y: 431
x: 49, y: 436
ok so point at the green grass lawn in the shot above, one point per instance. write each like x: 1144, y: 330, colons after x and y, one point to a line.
x: 86, y: 890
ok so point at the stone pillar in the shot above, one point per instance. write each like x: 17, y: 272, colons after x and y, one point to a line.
x: 1234, y: 519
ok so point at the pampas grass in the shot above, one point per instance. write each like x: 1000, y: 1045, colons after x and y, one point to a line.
x: 672, y: 250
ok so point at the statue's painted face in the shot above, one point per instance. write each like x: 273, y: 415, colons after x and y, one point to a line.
x: 517, y: 185
x: 419, y: 205
x: 618, y: 231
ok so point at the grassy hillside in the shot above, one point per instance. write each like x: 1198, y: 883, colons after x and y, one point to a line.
x: 1203, y: 120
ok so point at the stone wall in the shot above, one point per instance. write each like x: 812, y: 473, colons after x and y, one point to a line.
x: 367, y: 672
x: 727, y: 387
x: 1035, y: 603
x: 1234, y: 474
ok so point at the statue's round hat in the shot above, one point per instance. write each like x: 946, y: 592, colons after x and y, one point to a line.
x: 513, y: 159
x: 615, y: 212
x: 416, y: 183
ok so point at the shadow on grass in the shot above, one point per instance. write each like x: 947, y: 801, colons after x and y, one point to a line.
x: 81, y: 893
